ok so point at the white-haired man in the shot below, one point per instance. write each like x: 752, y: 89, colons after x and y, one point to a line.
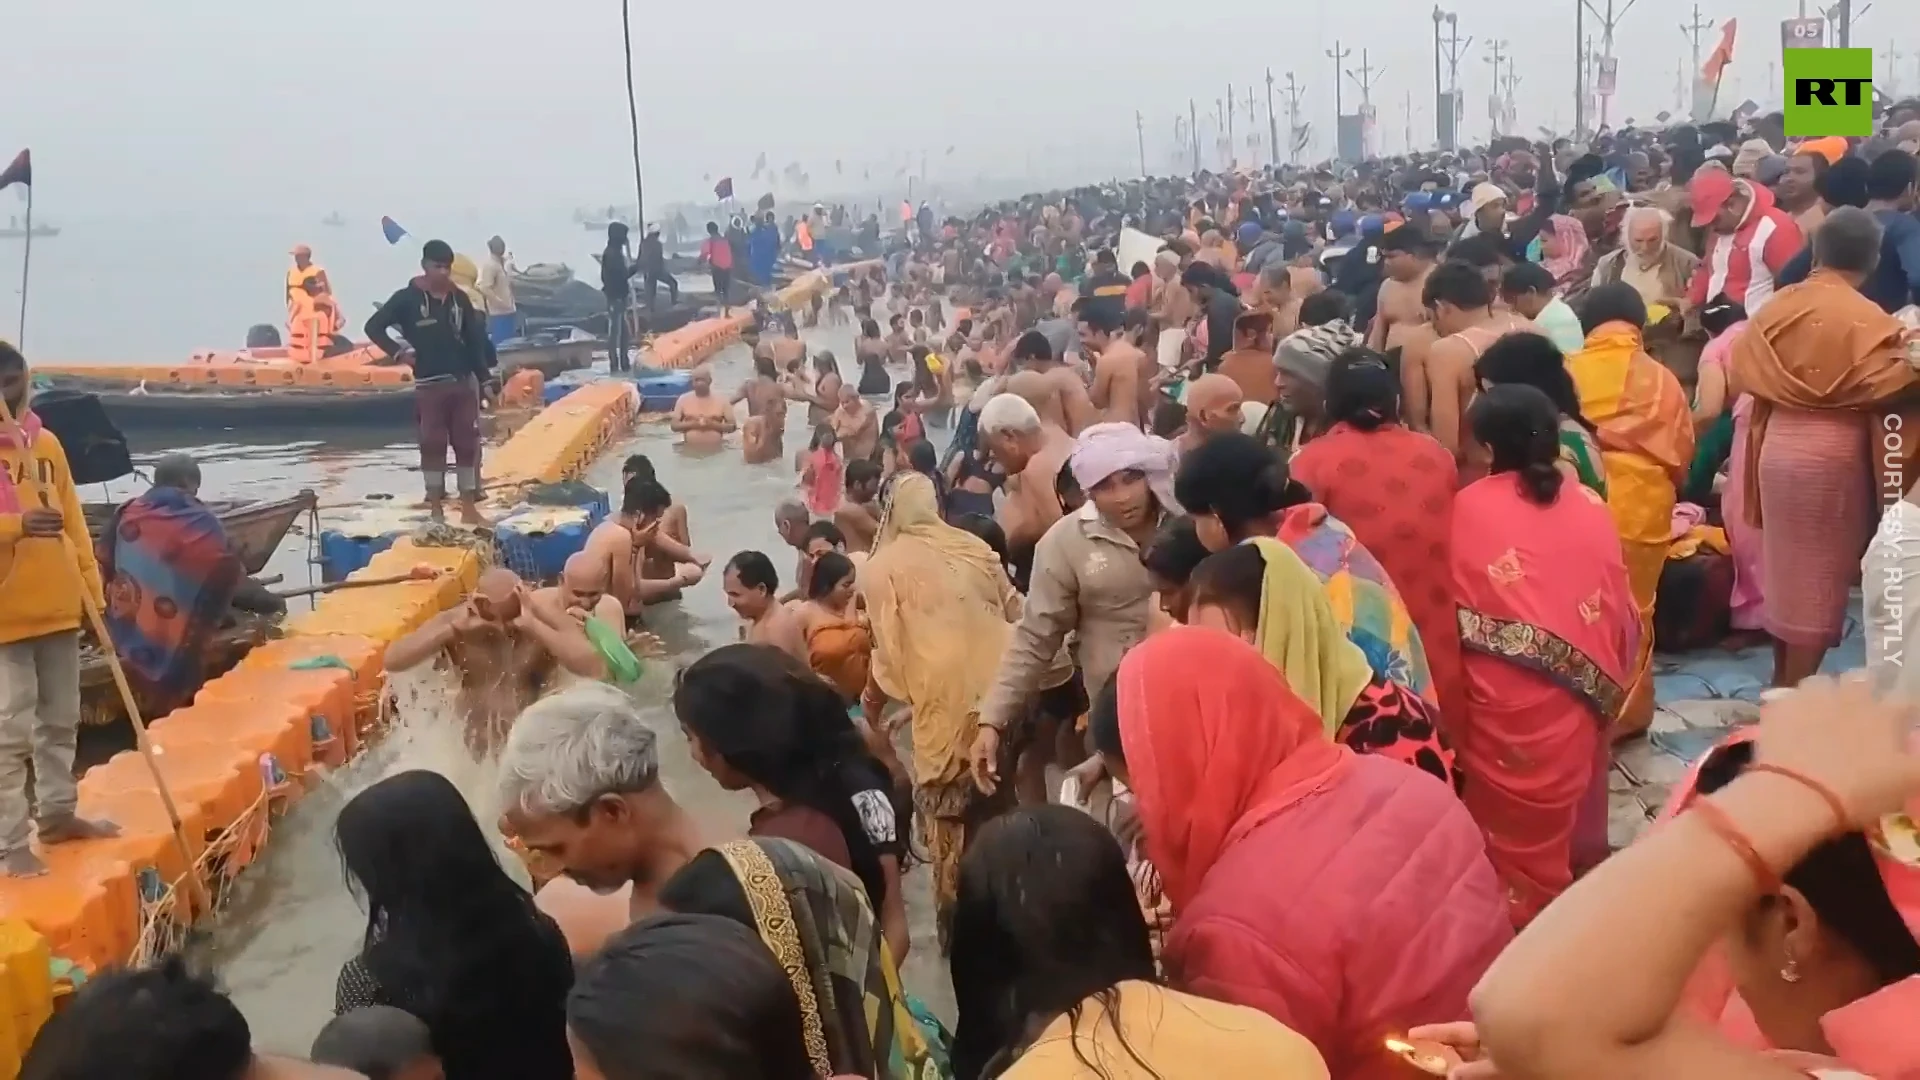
x: 1032, y: 452
x: 1657, y: 268
x: 580, y: 788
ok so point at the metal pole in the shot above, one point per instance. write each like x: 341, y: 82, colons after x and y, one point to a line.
x: 1846, y: 24
x: 1229, y: 162
x: 1140, y: 130
x: 1193, y: 132
x: 633, y: 112
x: 1580, y: 69
x: 1338, y: 55
x: 1273, y: 124
x: 1438, y: 18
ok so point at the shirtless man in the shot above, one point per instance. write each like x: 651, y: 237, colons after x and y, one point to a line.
x: 1031, y: 450
x: 859, y: 516
x: 634, y: 546
x: 1461, y: 307
x: 1054, y: 390
x: 1250, y: 362
x: 1117, y: 365
x: 751, y: 585
x: 1213, y: 408
x: 503, y: 651
x: 1273, y: 293
x: 762, y: 437
x: 1400, y: 317
x: 791, y: 519
x: 701, y: 419
x: 856, y: 424
x: 584, y: 589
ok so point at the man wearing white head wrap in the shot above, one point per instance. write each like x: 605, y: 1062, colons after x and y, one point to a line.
x: 1087, y: 581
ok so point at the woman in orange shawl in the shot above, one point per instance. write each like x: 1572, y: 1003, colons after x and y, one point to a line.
x: 1644, y: 425
x: 839, y: 644
x: 1832, y: 394
x: 1548, y: 631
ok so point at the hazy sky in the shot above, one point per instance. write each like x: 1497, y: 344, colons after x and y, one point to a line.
x: 376, y: 105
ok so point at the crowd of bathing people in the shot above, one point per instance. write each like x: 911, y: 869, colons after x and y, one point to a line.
x: 1243, y: 676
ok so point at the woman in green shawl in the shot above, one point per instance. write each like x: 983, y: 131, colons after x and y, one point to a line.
x: 1532, y: 360
x: 814, y: 917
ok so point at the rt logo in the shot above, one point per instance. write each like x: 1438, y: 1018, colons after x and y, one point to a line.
x: 1830, y: 92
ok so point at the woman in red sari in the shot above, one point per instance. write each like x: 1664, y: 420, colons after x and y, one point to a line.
x: 1394, y: 487
x: 1548, y: 631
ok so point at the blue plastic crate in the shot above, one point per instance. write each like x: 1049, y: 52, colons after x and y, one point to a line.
x: 342, y: 554
x: 536, y: 541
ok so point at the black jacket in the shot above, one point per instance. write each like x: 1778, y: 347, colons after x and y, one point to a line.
x: 448, y: 337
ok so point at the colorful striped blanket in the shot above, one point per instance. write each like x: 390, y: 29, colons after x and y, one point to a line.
x: 170, y: 578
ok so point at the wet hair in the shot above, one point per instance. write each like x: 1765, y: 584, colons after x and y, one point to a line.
x: 764, y: 367
x: 1848, y: 240
x: 823, y: 435
x: 1101, y: 317
x: 638, y: 465
x: 154, y: 1023
x: 376, y: 1041
x: 1066, y: 487
x: 1841, y: 882
x: 1614, y: 302
x: 1520, y: 426
x: 1722, y: 313
x: 1032, y: 345
x: 924, y: 458
x: 755, y: 571
x: 1045, y: 917
x: 1237, y: 479
x: 1458, y: 283
x: 1526, y: 277
x: 869, y: 328
x: 828, y: 570
x: 450, y: 937
x: 1362, y: 390
x: 1232, y: 580
x: 674, y: 996
x: 786, y: 729
x: 1140, y: 270
x: 824, y: 529
x: 861, y: 471
x: 1890, y: 174
x: 1168, y: 418
x: 1174, y: 551
x: 1531, y: 359
x: 644, y: 496
x: 1324, y: 307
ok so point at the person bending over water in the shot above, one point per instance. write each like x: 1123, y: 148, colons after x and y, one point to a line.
x: 752, y: 587
x: 701, y: 419
x: 503, y: 651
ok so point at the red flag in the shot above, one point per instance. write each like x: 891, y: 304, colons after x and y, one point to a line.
x: 724, y: 189
x: 20, y: 172
x: 1722, y: 54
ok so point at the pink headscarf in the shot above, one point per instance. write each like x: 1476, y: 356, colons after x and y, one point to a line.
x: 1571, y: 237
x: 1113, y: 447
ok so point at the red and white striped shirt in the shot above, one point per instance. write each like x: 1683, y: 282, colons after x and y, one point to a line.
x: 1746, y: 263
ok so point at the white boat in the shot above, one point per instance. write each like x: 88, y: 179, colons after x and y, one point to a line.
x: 15, y: 231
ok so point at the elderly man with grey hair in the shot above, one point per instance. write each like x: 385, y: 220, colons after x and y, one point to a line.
x: 1658, y: 269
x: 1032, y: 452
x: 580, y: 790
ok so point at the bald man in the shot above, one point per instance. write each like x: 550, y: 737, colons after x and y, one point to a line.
x: 502, y: 650
x: 702, y: 418
x: 1213, y: 408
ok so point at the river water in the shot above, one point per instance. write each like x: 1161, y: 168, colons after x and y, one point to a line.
x: 293, y: 920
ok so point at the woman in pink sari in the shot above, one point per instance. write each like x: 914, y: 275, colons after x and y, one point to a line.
x: 1548, y: 628
x: 1726, y: 320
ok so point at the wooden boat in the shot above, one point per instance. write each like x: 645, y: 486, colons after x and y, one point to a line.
x: 254, y: 529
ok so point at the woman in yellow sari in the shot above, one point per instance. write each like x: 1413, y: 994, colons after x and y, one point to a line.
x: 941, y: 609
x: 1645, y: 429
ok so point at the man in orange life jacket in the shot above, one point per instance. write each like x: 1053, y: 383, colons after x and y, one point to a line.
x: 445, y: 340
x: 312, y: 323
x: 305, y: 270
x: 40, y: 611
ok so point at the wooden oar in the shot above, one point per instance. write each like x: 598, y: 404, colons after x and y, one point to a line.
x: 359, y: 583
x: 195, y: 886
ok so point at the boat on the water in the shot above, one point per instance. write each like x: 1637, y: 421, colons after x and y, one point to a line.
x: 264, y: 387
x: 334, y: 221
x: 254, y: 527
x: 15, y: 230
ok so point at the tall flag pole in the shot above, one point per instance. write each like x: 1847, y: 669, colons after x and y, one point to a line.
x: 21, y: 172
